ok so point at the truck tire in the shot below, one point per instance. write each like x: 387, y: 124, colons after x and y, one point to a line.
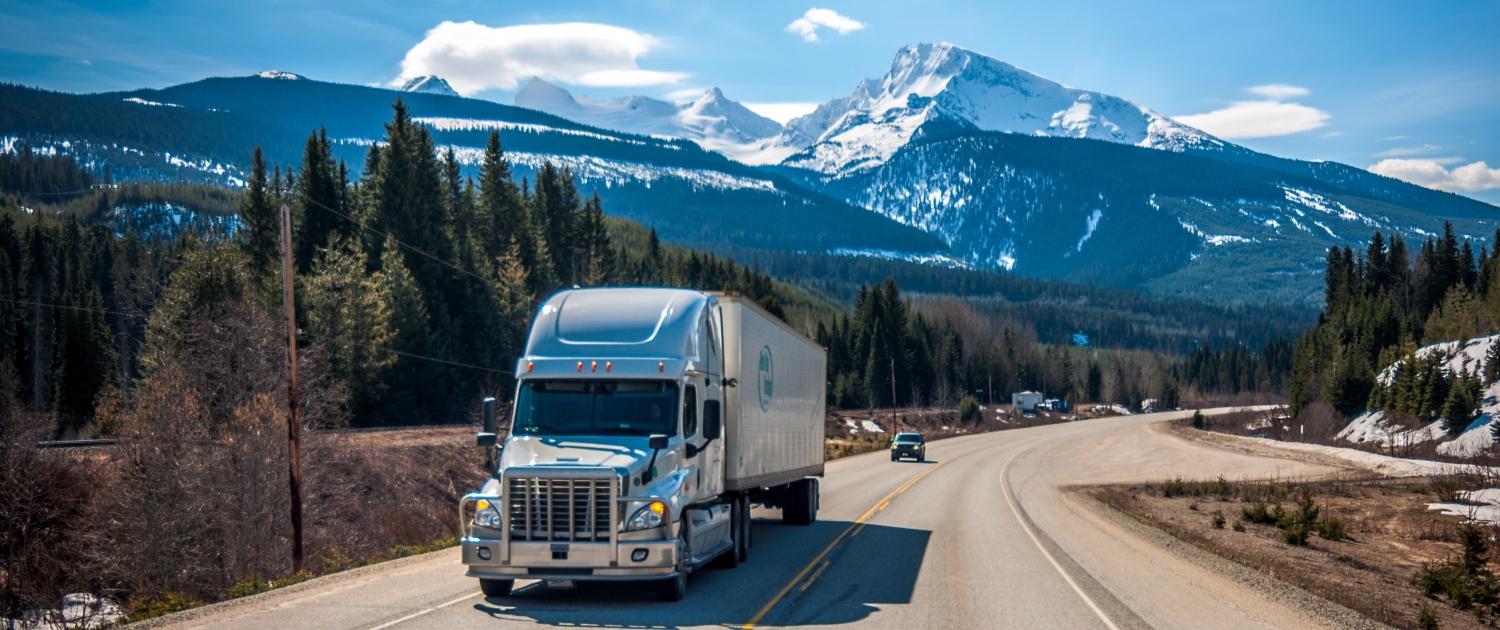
x: 496, y: 588
x: 798, y: 507
x: 673, y: 589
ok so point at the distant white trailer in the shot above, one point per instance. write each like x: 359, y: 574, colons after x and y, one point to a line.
x: 1025, y: 401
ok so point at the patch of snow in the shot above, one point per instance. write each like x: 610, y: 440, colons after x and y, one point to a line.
x: 1089, y: 225
x: 1371, y: 427
x: 871, y: 426
x: 279, y: 74
x: 611, y: 173
x: 77, y: 611
x: 471, y: 124
x: 1479, y: 505
x: 931, y: 258
x: 1213, y: 239
x: 141, y: 101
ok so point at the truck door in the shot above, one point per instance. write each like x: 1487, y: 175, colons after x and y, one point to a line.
x: 712, y: 464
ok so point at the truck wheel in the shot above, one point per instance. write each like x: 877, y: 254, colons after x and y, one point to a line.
x: 798, y: 503
x: 673, y: 589
x: 496, y: 588
x: 894, y: 457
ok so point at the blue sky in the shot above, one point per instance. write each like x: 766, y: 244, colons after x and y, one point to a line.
x: 1359, y: 82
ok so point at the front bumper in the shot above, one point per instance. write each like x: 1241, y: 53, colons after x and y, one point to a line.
x: 570, y: 561
x: 906, y: 452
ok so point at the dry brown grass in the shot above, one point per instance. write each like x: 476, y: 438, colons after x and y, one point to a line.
x: 1391, y: 535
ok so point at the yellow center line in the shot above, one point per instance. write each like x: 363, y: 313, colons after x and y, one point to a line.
x: 815, y: 574
x: 879, y: 505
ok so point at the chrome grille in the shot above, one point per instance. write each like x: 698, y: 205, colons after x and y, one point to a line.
x: 559, y: 509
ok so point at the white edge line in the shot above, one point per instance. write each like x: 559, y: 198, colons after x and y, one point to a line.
x: 1009, y: 500
x: 422, y: 612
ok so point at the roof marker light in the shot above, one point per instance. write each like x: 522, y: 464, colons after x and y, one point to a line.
x: 661, y: 367
x: 580, y: 366
x: 609, y: 366
x: 594, y: 366
x: 529, y: 365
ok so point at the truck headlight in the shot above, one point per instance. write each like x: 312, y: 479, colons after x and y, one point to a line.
x: 647, y: 517
x: 486, y: 515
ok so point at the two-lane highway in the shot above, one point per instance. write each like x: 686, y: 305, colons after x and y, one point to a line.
x: 982, y: 535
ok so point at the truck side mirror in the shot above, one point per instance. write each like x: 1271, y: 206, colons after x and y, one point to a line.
x: 657, y: 442
x: 731, y: 382
x: 487, y: 437
x: 712, y: 426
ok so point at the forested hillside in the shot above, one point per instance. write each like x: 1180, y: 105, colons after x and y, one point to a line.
x: 1382, y: 304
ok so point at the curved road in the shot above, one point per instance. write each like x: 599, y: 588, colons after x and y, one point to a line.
x: 983, y: 535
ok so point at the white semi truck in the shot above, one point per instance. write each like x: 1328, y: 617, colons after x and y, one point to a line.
x: 646, y: 422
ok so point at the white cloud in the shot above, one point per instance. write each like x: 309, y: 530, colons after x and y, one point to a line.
x: 474, y: 57
x: 1279, y: 91
x: 781, y: 112
x: 807, y: 25
x: 1257, y: 119
x: 685, y: 94
x: 1405, y: 151
x: 1429, y: 173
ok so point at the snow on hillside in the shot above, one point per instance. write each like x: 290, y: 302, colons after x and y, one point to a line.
x: 611, y: 173
x: 712, y: 120
x: 472, y: 124
x: 932, y: 81
x: 1371, y: 427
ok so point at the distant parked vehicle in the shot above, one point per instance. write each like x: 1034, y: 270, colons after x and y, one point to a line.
x: 909, y: 444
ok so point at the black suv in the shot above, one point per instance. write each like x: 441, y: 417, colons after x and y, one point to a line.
x: 910, y: 445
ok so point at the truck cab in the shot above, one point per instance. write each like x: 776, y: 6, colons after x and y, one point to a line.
x: 613, y: 465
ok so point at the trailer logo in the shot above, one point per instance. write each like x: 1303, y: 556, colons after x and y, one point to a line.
x: 765, y: 378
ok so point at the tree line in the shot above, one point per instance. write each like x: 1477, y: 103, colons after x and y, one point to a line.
x: 1383, y: 303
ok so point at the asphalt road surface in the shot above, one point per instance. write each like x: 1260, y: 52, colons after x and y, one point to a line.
x: 983, y: 535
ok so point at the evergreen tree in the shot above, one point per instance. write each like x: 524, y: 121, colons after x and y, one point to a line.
x: 506, y: 219
x: 319, y: 195
x: 595, y: 242
x: 348, y: 310
x: 260, y: 220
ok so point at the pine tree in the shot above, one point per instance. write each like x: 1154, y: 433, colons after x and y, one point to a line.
x: 261, y: 221
x: 555, y: 205
x: 319, y: 195
x: 507, y: 219
x: 595, y: 240
x: 347, y: 310
x: 85, y: 363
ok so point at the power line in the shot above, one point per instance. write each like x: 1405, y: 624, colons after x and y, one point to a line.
x: 393, y: 239
x: 404, y: 354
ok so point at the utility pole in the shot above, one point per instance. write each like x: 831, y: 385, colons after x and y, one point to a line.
x: 894, y: 421
x: 293, y: 423
x: 991, y: 390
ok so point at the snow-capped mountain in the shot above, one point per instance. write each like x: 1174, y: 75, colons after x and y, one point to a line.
x: 429, y: 85
x: 930, y: 82
x: 713, y: 121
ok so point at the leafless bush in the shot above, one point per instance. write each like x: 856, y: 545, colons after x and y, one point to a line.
x: 48, y: 532
x: 201, y: 498
x: 1319, y: 423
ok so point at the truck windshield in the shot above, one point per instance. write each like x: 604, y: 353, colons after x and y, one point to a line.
x: 568, y: 407
x: 908, y: 439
